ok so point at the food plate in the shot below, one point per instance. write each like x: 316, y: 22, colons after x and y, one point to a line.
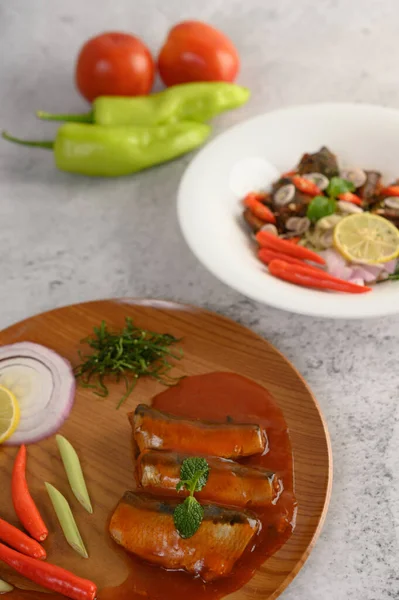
x: 248, y: 157
x: 102, y: 437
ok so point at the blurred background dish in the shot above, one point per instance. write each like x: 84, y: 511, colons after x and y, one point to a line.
x: 210, y: 194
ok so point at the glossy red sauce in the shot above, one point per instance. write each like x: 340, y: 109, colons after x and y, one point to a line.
x: 219, y: 397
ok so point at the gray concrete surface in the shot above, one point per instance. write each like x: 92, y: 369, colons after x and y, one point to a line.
x: 65, y: 239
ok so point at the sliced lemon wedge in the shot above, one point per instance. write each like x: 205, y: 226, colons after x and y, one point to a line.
x: 9, y: 414
x: 366, y: 238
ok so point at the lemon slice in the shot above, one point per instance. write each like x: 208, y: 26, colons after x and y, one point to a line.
x: 9, y: 414
x: 366, y: 238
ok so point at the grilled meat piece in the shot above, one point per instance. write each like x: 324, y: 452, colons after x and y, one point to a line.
x: 388, y: 213
x: 323, y: 161
x: 154, y: 429
x: 296, y: 207
x: 228, y: 482
x: 145, y: 527
x: 370, y: 190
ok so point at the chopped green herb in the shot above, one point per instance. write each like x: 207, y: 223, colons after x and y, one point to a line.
x: 188, y: 516
x: 127, y: 354
x: 320, y: 207
x: 339, y: 186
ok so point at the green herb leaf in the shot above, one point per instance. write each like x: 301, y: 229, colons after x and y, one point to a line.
x: 126, y: 355
x: 339, y: 186
x: 188, y: 517
x: 193, y: 474
x: 320, y: 207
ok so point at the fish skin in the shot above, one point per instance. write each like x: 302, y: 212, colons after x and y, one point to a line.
x: 144, y: 526
x: 229, y: 483
x: 157, y: 430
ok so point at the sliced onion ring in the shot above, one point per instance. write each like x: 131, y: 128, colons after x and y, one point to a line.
x: 319, y: 179
x: 349, y: 207
x: 392, y: 202
x: 284, y: 195
x: 298, y: 224
x: 44, y: 384
x: 270, y: 228
x: 355, y: 175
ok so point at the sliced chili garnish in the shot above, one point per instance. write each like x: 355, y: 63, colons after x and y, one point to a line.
x: 391, y: 190
x: 267, y: 240
x: 306, y: 186
x: 350, y: 197
x: 261, y: 211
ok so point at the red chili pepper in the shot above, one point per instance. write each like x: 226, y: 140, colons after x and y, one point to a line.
x: 24, y: 505
x: 261, y: 211
x: 49, y: 576
x: 288, y: 174
x: 306, y: 186
x: 314, y: 278
x: 391, y: 190
x: 257, y: 196
x: 268, y: 240
x: 266, y: 256
x: 20, y: 541
x: 294, y: 240
x: 350, y: 197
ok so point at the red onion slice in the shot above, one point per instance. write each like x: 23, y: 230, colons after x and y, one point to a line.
x: 44, y: 384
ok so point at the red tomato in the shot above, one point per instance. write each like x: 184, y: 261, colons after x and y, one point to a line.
x: 195, y: 51
x: 114, y: 64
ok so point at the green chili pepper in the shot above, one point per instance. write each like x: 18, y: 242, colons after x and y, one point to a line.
x: 74, y: 472
x: 114, y: 151
x: 186, y: 102
x: 5, y: 587
x: 67, y: 520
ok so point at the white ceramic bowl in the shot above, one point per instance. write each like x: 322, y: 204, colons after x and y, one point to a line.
x: 249, y: 156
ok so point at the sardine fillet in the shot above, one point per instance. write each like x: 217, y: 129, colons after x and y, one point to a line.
x: 228, y: 483
x: 145, y: 527
x: 154, y: 429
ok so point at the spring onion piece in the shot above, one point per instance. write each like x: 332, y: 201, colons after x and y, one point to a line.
x: 44, y: 385
x: 5, y: 587
x: 74, y: 472
x: 67, y: 520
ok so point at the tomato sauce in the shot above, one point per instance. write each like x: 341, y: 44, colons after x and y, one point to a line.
x: 221, y: 397
x: 218, y: 397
